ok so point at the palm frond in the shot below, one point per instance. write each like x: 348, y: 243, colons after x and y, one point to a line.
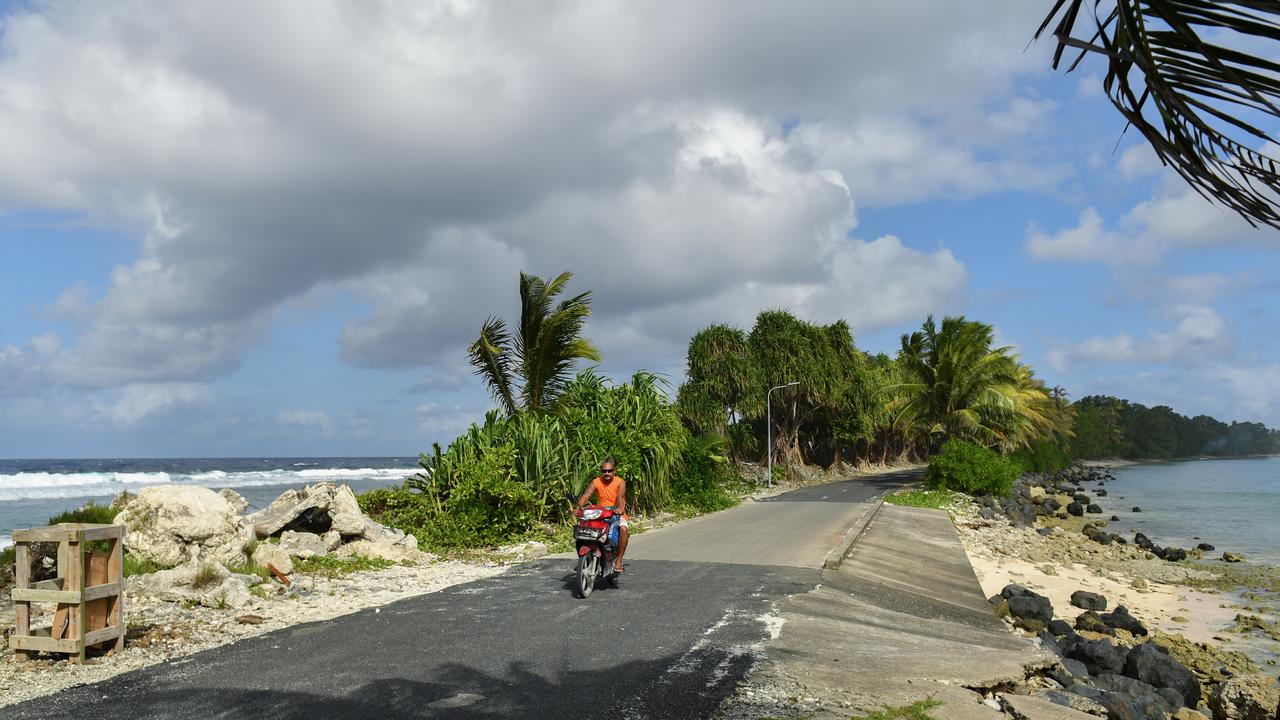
x: 491, y: 357
x: 1190, y: 98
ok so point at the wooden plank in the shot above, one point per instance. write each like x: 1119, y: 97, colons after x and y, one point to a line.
x: 54, y: 584
x: 101, y: 592
x: 42, y: 644
x: 103, y: 635
x: 53, y: 533
x: 102, y: 532
x: 79, y: 618
x: 96, y: 606
x: 22, y: 579
x: 115, y: 573
x: 65, y: 597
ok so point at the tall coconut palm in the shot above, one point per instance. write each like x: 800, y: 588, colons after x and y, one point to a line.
x: 1189, y: 76
x: 958, y: 386
x: 530, y: 369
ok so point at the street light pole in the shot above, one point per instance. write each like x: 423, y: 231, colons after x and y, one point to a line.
x: 768, y: 400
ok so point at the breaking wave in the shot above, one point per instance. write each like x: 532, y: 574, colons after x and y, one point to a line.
x: 49, y: 485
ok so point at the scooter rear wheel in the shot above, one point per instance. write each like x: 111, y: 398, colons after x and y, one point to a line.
x: 588, y: 567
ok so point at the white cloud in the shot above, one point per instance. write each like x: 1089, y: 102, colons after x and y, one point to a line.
x: 306, y: 419
x: 416, y: 155
x: 1174, y: 218
x: 132, y: 403
x: 1200, y: 336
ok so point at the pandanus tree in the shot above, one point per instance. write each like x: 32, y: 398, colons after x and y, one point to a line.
x: 528, y: 370
x: 1188, y: 76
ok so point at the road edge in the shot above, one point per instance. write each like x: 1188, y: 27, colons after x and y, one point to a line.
x: 836, y: 557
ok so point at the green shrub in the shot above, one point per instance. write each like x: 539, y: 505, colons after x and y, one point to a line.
x: 6, y: 565
x: 971, y: 469
x: 1042, y: 456
x: 398, y: 507
x: 90, y: 513
x: 705, y: 480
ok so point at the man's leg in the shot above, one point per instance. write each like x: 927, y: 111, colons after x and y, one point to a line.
x: 622, y: 546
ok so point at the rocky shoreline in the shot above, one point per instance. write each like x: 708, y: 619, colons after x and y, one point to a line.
x: 1189, y: 636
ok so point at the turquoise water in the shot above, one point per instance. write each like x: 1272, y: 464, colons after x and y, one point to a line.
x: 1230, y: 504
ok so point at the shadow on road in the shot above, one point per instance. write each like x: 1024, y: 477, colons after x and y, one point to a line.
x: 459, y: 691
x: 855, y: 490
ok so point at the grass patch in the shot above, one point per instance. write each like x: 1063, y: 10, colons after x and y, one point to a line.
x: 331, y: 567
x: 918, y: 710
x: 206, y: 576
x: 133, y: 565
x: 91, y: 513
x: 931, y: 499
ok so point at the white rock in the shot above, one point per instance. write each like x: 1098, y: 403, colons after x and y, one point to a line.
x: 235, y: 499
x: 289, y: 506
x: 332, y: 540
x: 302, y: 544
x: 395, y: 552
x: 175, y: 524
x: 217, y: 587
x: 270, y: 553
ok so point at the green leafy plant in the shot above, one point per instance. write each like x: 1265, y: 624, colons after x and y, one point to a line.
x: 332, y: 567
x: 930, y: 499
x: 918, y: 710
x: 970, y: 469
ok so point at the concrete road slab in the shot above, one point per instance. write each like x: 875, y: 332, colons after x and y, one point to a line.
x: 902, y: 615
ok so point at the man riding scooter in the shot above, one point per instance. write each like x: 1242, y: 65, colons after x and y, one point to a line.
x: 610, y: 491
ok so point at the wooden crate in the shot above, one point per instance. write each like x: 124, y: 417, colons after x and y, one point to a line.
x: 89, y: 591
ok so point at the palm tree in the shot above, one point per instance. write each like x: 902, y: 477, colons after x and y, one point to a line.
x: 530, y: 370
x: 958, y: 386
x: 1197, y: 100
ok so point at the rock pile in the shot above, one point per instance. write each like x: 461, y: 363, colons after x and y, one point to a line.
x: 326, y: 518
x: 1133, y: 679
x: 203, y: 536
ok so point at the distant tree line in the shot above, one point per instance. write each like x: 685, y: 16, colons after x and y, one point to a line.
x: 1109, y: 427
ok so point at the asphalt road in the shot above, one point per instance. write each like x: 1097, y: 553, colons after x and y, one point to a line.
x: 671, y: 642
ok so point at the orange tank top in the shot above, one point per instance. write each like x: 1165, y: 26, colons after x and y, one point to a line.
x: 607, y: 494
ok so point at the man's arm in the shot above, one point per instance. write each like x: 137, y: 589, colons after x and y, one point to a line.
x: 622, y: 497
x: 586, y: 494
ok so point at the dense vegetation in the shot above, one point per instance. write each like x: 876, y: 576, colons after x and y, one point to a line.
x: 508, y: 476
x: 1111, y: 427
x: 947, y: 382
x: 950, y: 396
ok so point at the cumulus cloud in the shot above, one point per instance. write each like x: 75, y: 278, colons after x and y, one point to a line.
x: 132, y: 403
x: 418, y: 155
x: 1199, y: 336
x: 1174, y: 218
x: 306, y: 419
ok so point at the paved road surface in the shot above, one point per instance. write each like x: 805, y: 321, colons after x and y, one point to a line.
x: 670, y: 643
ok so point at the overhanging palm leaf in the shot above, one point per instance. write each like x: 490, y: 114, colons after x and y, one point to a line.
x: 491, y: 357
x: 1200, y: 96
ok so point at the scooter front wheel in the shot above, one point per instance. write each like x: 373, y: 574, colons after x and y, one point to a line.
x: 588, y: 567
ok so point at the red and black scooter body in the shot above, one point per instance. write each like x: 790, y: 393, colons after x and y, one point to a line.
x: 596, y: 545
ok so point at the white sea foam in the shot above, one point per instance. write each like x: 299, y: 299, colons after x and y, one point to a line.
x: 5, y: 540
x: 43, y: 485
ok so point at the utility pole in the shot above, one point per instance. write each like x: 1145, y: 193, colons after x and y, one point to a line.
x: 768, y: 399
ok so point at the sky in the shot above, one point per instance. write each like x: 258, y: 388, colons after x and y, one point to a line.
x: 272, y: 229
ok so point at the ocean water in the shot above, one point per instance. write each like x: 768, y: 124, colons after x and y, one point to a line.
x: 1230, y: 504
x: 31, y: 491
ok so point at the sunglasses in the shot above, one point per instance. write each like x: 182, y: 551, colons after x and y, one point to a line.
x: 607, y: 471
